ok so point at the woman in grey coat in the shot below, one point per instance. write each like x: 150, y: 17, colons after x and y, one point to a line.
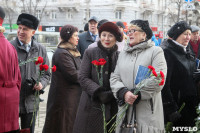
x: 147, y: 104
x: 89, y: 117
x: 65, y: 91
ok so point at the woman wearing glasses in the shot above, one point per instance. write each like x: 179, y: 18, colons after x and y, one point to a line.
x: 146, y: 108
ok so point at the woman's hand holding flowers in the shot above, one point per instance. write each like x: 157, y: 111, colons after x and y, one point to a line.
x: 130, y: 97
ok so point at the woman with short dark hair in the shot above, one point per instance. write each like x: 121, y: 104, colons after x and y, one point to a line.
x: 65, y: 91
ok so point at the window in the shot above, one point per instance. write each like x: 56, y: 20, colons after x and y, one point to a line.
x: 69, y: 15
x: 53, y: 15
x: 118, y: 14
x: 38, y: 14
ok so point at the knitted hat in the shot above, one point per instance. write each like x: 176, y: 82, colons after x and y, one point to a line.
x: 67, y: 31
x: 112, y: 28
x: 28, y: 20
x: 144, y: 25
x: 119, y: 23
x: 177, y: 29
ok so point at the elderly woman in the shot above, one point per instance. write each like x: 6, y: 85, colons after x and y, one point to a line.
x: 179, y: 86
x: 89, y: 118
x: 148, y: 108
x: 65, y: 91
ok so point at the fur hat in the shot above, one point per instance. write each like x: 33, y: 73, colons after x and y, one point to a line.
x: 144, y: 25
x: 119, y: 23
x: 28, y: 20
x: 67, y: 31
x: 112, y: 28
x: 2, y: 13
x: 177, y: 29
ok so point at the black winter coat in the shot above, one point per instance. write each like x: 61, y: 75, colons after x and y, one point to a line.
x: 89, y: 117
x: 180, y: 86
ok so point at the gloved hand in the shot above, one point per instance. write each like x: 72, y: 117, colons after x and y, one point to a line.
x: 105, y: 96
x: 174, y: 116
x: 138, y: 98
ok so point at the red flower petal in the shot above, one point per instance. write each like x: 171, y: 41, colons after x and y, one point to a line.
x: 95, y: 62
x: 154, y: 73
x: 40, y: 59
x: 151, y: 67
x: 41, y: 67
x: 46, y: 67
x: 162, y: 82
x: 102, y: 61
x: 162, y: 74
x: 53, y: 68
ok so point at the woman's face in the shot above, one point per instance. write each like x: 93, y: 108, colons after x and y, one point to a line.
x: 74, y: 39
x: 136, y: 36
x: 184, y: 38
x: 107, y: 39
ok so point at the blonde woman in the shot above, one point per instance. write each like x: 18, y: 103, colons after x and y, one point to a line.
x: 148, y: 106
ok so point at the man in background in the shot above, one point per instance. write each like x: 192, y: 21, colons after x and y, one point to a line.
x: 86, y: 38
x: 10, y: 83
x: 195, y: 41
x: 28, y: 48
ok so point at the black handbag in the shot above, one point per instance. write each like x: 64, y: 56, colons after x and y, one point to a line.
x: 129, y: 127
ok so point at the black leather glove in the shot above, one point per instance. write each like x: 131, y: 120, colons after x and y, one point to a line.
x: 138, y: 98
x: 174, y: 116
x: 105, y: 96
x: 120, y: 96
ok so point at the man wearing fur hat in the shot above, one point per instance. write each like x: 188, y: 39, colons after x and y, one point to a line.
x: 28, y: 48
x: 10, y: 82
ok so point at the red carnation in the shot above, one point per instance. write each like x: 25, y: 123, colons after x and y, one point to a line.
x: 39, y: 60
x: 102, y: 61
x: 41, y: 67
x: 95, y: 62
x: 162, y: 74
x: 45, y: 66
x: 151, y: 67
x: 53, y: 68
x: 162, y: 82
x: 154, y: 73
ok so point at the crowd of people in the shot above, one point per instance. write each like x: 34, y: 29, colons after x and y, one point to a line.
x: 95, y: 75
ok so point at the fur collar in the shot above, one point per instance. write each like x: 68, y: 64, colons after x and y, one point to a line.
x: 70, y: 47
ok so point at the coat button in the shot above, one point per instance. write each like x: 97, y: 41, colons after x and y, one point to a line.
x: 106, y: 72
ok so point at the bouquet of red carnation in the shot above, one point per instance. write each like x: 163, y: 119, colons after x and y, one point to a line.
x: 140, y: 83
x: 101, y: 62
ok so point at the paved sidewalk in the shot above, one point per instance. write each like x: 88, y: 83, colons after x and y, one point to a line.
x: 42, y: 114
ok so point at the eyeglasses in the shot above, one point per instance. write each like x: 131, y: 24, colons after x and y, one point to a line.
x: 133, y: 31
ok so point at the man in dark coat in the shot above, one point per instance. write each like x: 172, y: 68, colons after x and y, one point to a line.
x: 86, y: 38
x: 195, y: 41
x: 28, y: 48
x: 10, y: 82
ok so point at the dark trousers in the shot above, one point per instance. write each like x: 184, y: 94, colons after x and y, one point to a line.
x: 26, y: 121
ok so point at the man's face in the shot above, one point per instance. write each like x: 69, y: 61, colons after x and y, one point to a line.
x: 93, y: 26
x: 195, y: 36
x: 25, y: 33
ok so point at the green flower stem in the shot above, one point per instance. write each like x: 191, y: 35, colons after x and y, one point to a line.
x: 104, y: 118
x: 27, y: 61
